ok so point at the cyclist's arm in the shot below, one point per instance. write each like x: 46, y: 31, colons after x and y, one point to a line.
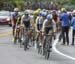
x: 12, y: 19
x: 22, y: 21
x: 54, y: 26
x: 36, y: 24
x: 43, y: 28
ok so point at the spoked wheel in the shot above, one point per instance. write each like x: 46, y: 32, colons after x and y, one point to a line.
x: 47, y: 54
x: 39, y: 46
x: 25, y: 46
x: 40, y: 50
x: 20, y: 43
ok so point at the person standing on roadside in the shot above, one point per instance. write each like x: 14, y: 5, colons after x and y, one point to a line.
x: 73, y: 27
x: 64, y: 17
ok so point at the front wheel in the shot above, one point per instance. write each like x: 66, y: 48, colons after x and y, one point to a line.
x: 47, y: 54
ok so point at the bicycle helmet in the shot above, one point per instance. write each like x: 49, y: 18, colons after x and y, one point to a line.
x: 40, y: 13
x: 49, y: 16
x: 26, y: 13
x: 44, y: 10
x: 43, y: 14
x: 73, y: 11
x: 16, y: 9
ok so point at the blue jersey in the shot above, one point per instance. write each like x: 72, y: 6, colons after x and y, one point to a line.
x: 64, y: 19
x: 73, y: 23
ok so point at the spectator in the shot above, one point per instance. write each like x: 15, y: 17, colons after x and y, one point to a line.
x: 73, y: 27
x: 64, y: 17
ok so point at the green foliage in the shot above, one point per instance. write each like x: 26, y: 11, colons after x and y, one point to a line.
x: 63, y: 3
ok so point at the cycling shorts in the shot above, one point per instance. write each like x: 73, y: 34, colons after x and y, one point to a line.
x: 47, y: 29
x: 39, y: 26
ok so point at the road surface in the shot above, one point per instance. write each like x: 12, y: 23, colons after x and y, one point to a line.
x: 13, y: 54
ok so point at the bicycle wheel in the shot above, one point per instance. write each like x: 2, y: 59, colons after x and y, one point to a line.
x: 15, y: 40
x: 20, y: 43
x: 39, y: 45
x: 47, y: 48
x: 25, y: 46
x: 26, y: 42
x: 47, y: 52
x: 47, y: 55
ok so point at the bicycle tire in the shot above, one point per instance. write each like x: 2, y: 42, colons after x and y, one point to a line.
x: 20, y: 44
x: 48, y: 55
x: 15, y: 40
x: 25, y: 46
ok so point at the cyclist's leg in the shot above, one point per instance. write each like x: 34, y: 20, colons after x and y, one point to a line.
x: 19, y: 34
x: 13, y: 30
x: 43, y: 44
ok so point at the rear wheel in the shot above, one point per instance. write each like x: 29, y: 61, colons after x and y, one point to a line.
x: 25, y: 46
x: 48, y: 54
x: 15, y: 40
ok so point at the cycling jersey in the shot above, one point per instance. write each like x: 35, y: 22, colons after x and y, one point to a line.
x: 47, y: 26
x: 18, y: 21
x: 15, y: 17
x: 39, y: 22
x: 55, y: 17
x: 26, y: 21
x: 32, y: 20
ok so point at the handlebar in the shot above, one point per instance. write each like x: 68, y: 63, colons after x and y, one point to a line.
x: 51, y: 34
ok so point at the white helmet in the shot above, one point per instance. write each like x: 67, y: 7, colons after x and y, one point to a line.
x: 16, y: 9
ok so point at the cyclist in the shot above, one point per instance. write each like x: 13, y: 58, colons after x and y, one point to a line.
x: 14, y: 19
x: 64, y: 17
x: 55, y: 18
x: 39, y: 23
x: 25, y: 21
x: 17, y: 29
x: 48, y: 26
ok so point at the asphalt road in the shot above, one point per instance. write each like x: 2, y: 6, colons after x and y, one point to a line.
x: 13, y: 54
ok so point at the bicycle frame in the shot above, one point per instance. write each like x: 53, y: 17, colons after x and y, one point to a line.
x: 48, y: 46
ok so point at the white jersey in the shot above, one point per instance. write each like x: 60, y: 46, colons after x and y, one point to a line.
x: 39, y: 20
x: 25, y: 19
x: 46, y: 24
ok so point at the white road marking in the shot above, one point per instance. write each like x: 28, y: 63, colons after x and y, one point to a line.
x: 57, y: 51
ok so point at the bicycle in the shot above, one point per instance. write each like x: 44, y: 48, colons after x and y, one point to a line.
x: 48, y: 45
x: 26, y: 38
x: 21, y: 36
x: 17, y: 35
x: 39, y: 43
